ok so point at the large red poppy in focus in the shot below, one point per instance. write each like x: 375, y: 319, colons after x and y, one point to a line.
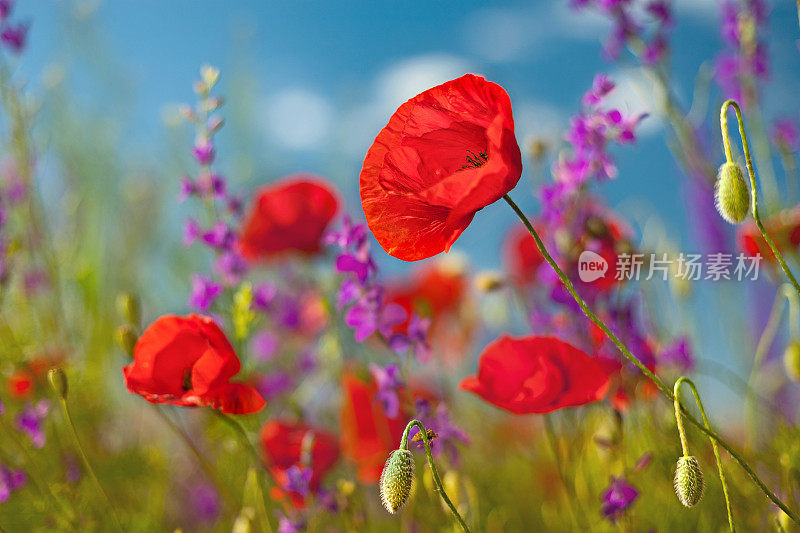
x: 288, y: 216
x: 368, y: 435
x: 189, y: 361
x: 537, y: 375
x: 445, y: 154
x: 283, y: 445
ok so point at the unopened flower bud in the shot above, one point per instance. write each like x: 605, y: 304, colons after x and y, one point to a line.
x: 731, y: 195
x: 126, y: 338
x: 791, y: 360
x: 58, y: 380
x: 128, y: 307
x: 689, y: 482
x: 397, y: 479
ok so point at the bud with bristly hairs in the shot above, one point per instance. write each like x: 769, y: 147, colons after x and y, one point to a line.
x: 689, y: 482
x: 731, y: 195
x: 397, y: 480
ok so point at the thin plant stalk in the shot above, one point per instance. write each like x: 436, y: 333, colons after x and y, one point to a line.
x: 434, y: 471
x: 659, y: 383
x: 111, y: 507
x: 723, y: 121
x: 685, y: 446
x: 768, y: 335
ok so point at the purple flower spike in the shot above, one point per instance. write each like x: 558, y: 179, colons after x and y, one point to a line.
x: 29, y: 422
x: 204, y: 293
x: 298, y: 479
x: 14, y: 37
x: 204, y: 152
x: 617, y: 498
x: 388, y: 381
x: 11, y: 480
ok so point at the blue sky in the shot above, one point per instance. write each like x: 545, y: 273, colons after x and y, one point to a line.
x: 326, y: 77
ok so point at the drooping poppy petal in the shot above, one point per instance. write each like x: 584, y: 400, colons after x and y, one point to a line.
x: 536, y: 375
x: 189, y: 361
x: 444, y: 155
x: 288, y: 216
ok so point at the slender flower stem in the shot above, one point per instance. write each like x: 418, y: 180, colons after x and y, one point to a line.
x: 569, y: 488
x: 404, y: 446
x: 88, y: 465
x: 207, y: 468
x: 659, y: 383
x: 36, y: 478
x: 723, y: 122
x: 241, y: 433
x: 685, y: 446
x: 768, y: 335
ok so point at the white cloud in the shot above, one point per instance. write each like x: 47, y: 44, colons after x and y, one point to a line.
x: 297, y: 118
x: 393, y: 86
x: 633, y: 95
x: 411, y: 76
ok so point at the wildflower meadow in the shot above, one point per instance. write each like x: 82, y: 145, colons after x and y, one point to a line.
x: 230, y: 308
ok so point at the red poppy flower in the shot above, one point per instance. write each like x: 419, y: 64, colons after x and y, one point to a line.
x: 284, y: 443
x: 445, y: 154
x: 536, y: 375
x: 189, y: 361
x: 521, y: 256
x: 368, y: 435
x: 20, y: 385
x: 287, y: 216
x: 783, y: 228
x: 437, y: 288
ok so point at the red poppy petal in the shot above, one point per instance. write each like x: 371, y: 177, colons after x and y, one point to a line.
x: 235, y: 399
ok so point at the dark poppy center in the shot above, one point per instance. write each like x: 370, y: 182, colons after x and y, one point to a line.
x: 475, y: 160
x: 187, y: 380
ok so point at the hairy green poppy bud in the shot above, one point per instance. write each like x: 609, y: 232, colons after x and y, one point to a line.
x: 791, y: 360
x: 689, y: 482
x: 731, y: 195
x: 58, y: 380
x: 128, y: 307
x: 397, y: 479
x: 126, y: 338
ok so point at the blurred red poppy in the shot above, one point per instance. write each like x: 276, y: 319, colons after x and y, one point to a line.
x: 20, y: 385
x: 288, y: 216
x: 520, y: 254
x: 445, y: 154
x: 189, y: 361
x: 536, y: 375
x: 368, y: 435
x: 284, y: 443
x: 783, y: 228
x: 437, y: 288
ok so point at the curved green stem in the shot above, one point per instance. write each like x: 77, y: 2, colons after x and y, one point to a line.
x: 439, y: 485
x: 659, y: 383
x: 685, y: 446
x: 723, y: 121
x: 111, y: 507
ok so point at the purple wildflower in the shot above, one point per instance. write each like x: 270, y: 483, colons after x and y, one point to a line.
x: 265, y: 346
x: 204, y: 502
x: 187, y: 188
x: 204, y: 292
x: 448, y: 434
x: 11, y: 480
x: 297, y: 480
x: 274, y: 384
x: 289, y: 525
x: 785, y: 135
x: 191, y: 232
x: 263, y: 296
x: 617, y: 498
x: 14, y: 37
x: 220, y: 236
x: 388, y: 381
x: 231, y: 267
x: 369, y: 314
x: 678, y: 353
x: 29, y: 421
x: 203, y: 152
